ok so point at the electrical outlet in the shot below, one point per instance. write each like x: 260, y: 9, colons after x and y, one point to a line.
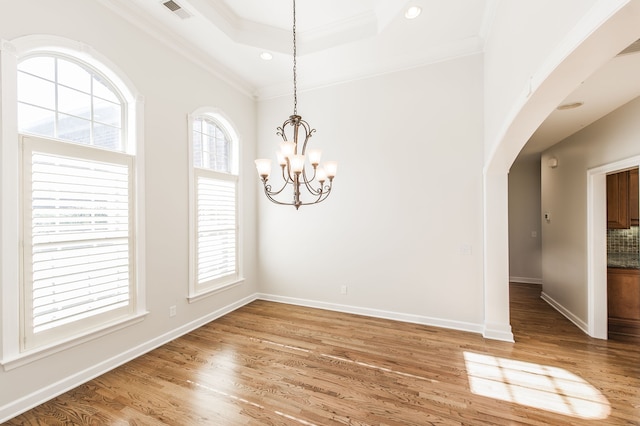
x: 172, y: 311
x: 343, y: 289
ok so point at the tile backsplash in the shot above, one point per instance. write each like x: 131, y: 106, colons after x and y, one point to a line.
x: 623, y: 240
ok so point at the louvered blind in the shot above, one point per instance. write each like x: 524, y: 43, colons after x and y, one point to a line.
x: 216, y: 228
x: 77, y: 241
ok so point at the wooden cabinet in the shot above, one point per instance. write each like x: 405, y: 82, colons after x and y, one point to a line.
x: 633, y: 198
x: 618, y: 201
x: 622, y: 199
x: 623, y: 303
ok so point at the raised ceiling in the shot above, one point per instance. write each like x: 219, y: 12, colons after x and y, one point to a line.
x: 338, y: 40
x: 342, y: 40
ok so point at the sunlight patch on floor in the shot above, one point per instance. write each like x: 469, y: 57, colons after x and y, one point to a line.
x: 534, y: 385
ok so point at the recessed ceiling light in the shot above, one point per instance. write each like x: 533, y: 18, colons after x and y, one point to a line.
x: 572, y: 105
x: 413, y: 12
x: 266, y: 56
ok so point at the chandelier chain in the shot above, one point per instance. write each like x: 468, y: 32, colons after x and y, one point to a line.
x: 295, y: 79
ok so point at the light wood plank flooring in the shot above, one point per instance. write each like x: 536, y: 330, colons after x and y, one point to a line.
x: 274, y: 364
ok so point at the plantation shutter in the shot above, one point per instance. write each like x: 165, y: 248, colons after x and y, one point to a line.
x: 78, y: 245
x: 216, y: 230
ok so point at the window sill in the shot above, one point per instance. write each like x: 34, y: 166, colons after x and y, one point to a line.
x: 32, y: 355
x: 211, y: 291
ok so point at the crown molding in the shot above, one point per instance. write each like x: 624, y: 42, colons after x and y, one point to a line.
x: 138, y: 19
x: 450, y: 51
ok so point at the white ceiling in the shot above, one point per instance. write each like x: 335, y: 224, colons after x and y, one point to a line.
x: 341, y: 40
x: 608, y: 88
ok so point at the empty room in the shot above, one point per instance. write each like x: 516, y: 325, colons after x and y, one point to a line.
x: 210, y: 212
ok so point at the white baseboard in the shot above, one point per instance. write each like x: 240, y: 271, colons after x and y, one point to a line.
x: 525, y: 280
x: 498, y: 332
x: 567, y: 313
x: 376, y: 313
x: 21, y: 405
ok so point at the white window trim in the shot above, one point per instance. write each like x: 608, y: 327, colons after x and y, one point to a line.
x: 10, y: 215
x: 194, y: 294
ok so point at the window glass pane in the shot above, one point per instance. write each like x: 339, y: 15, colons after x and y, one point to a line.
x: 41, y: 66
x: 36, y: 91
x: 73, y: 102
x: 209, y: 128
x: 107, y: 112
x: 197, y: 125
x: 102, y: 90
x: 107, y: 137
x: 73, y: 75
x: 222, y: 155
x: 74, y: 129
x: 36, y: 120
x: 197, y: 149
x: 209, y: 154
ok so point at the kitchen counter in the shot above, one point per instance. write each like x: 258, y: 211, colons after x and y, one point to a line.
x: 623, y: 260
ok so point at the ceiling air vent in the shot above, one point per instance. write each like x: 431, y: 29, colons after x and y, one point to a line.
x: 176, y: 9
x: 633, y: 48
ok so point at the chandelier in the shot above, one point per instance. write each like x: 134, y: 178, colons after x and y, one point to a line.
x: 292, y: 157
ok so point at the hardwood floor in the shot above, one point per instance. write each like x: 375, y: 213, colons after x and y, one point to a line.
x: 275, y: 364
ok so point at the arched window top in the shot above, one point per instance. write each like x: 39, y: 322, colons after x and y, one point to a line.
x: 63, y: 98
x: 214, y: 142
x: 115, y: 105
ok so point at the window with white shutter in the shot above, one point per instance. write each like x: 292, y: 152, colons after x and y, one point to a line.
x: 214, y: 206
x: 78, y: 198
x: 77, y: 238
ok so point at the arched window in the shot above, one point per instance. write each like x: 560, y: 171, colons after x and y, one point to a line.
x: 211, y: 145
x: 76, y: 136
x: 214, y: 262
x: 63, y: 98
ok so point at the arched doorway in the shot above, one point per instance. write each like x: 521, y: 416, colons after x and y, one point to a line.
x: 594, y: 43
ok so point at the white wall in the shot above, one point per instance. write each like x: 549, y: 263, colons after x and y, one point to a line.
x: 172, y: 87
x: 408, y: 196
x: 525, y: 257
x: 564, y: 195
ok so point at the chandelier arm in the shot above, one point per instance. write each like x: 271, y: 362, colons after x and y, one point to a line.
x: 269, y: 191
x: 326, y: 190
x: 320, y: 198
x: 273, y: 200
x: 308, y: 132
x: 306, y: 180
x: 310, y: 188
x: 286, y: 174
x: 321, y: 193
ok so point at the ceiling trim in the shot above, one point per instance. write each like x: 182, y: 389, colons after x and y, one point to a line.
x: 254, y: 34
x: 450, y: 51
x: 123, y: 9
